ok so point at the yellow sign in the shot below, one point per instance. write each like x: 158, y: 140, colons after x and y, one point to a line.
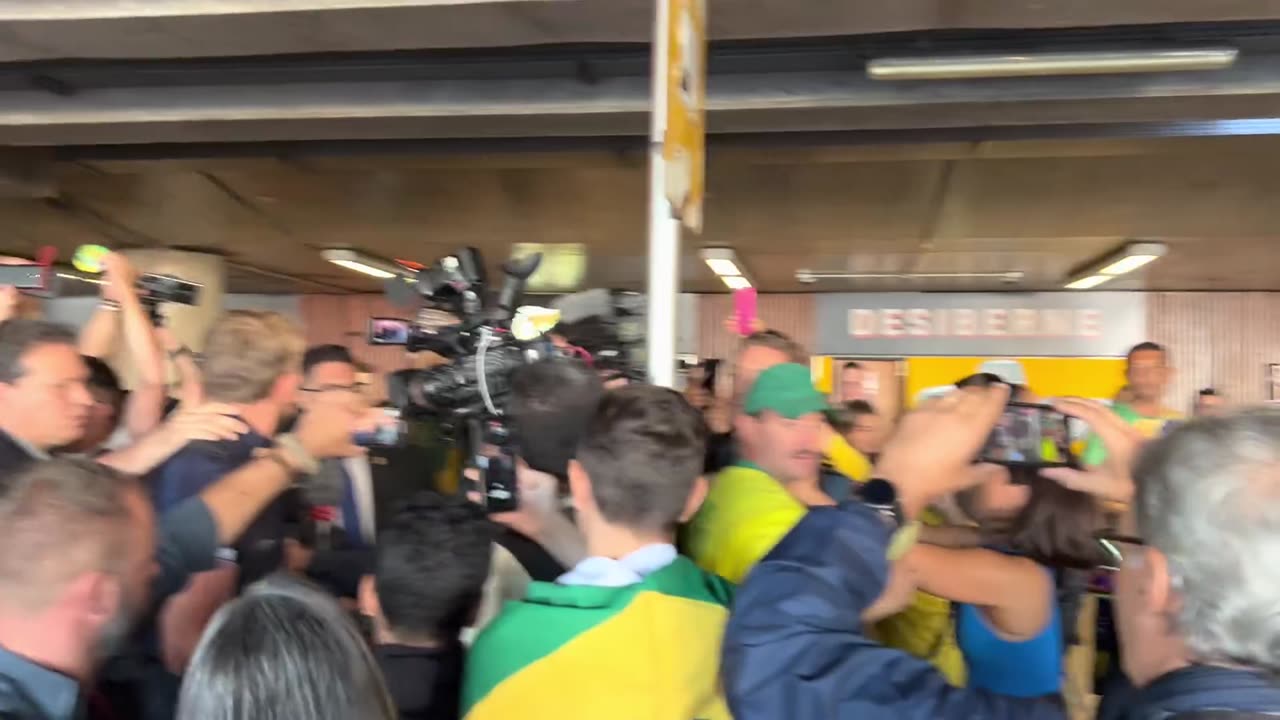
x: 684, y: 145
x: 562, y: 268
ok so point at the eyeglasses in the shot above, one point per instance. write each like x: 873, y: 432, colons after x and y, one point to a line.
x: 333, y: 388
x: 1111, y: 547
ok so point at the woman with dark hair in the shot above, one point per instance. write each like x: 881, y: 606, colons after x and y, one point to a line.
x: 1009, y: 624
x: 283, y: 650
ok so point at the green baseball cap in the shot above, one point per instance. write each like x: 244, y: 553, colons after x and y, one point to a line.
x: 785, y: 389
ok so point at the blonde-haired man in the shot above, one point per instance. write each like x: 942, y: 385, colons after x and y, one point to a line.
x: 252, y: 361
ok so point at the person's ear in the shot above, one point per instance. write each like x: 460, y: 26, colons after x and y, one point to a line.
x: 1157, y: 597
x: 98, y: 597
x: 287, y: 388
x: 367, y: 597
x: 580, y: 487
x: 696, y: 496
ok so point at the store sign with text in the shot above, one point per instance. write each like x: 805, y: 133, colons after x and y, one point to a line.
x: 1102, y: 324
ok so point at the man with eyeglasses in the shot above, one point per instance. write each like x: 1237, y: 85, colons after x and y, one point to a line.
x: 1196, y: 563
x: 341, y: 494
x: 349, y: 495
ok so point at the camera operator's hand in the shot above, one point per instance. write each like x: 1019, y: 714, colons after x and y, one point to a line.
x: 327, y: 428
x: 536, y: 499
x: 120, y: 279
x: 538, y: 514
x: 932, y: 451
x: 1111, y: 481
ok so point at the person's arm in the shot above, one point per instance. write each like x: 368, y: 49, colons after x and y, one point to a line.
x: 951, y: 536
x: 98, y: 336
x: 145, y: 406
x: 183, y: 618
x: 233, y: 503
x: 1109, y: 480
x: 845, y: 459
x: 539, y: 516
x: 190, y: 379
x: 193, y: 529
x: 209, y: 422
x: 795, y: 645
x: 1016, y: 591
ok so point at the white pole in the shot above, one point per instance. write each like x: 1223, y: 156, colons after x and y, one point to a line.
x: 664, y: 230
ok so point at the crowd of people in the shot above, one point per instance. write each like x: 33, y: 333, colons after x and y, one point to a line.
x: 221, y: 548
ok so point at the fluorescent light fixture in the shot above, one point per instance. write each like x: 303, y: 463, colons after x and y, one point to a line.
x: 1127, y: 259
x: 721, y: 260
x: 968, y: 67
x: 362, y: 263
x: 723, y: 267
x: 1088, y: 281
x: 1127, y: 264
x: 725, y: 264
x: 809, y: 277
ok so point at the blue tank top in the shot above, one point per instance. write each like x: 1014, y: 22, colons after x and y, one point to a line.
x: 1028, y: 668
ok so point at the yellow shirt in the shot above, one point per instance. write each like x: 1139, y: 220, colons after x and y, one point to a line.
x: 745, y: 514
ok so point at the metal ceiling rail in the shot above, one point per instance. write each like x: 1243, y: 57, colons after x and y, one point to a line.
x: 590, y: 63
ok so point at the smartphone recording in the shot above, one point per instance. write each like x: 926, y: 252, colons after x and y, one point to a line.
x: 1030, y: 436
x: 389, y: 433
x: 388, y: 331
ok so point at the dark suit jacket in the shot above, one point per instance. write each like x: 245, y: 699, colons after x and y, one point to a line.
x: 398, y: 473
x: 13, y: 457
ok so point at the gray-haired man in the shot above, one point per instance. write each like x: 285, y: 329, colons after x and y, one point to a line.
x: 1199, y: 574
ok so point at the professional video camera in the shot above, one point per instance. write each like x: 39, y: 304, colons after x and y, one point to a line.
x: 459, y: 322
x: 609, y: 326
x: 155, y: 290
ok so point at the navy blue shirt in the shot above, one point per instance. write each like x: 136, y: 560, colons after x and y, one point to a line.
x: 260, y: 550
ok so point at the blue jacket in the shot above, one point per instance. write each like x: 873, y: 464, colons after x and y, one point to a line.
x: 795, y: 647
x: 1194, y: 689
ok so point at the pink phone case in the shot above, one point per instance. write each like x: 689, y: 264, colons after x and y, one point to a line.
x: 744, y: 305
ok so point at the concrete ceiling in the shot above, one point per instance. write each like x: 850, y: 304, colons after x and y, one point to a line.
x: 1036, y: 207
x: 49, y: 29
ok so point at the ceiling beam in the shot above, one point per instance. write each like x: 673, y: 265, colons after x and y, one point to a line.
x: 71, y: 10
x: 740, y: 103
x: 46, y: 29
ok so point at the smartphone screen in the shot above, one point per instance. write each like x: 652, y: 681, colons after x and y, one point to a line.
x: 1030, y: 436
x: 22, y: 277
x: 388, y: 331
x: 498, y: 473
x: 744, y: 303
x: 388, y: 434
x: 497, y: 467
